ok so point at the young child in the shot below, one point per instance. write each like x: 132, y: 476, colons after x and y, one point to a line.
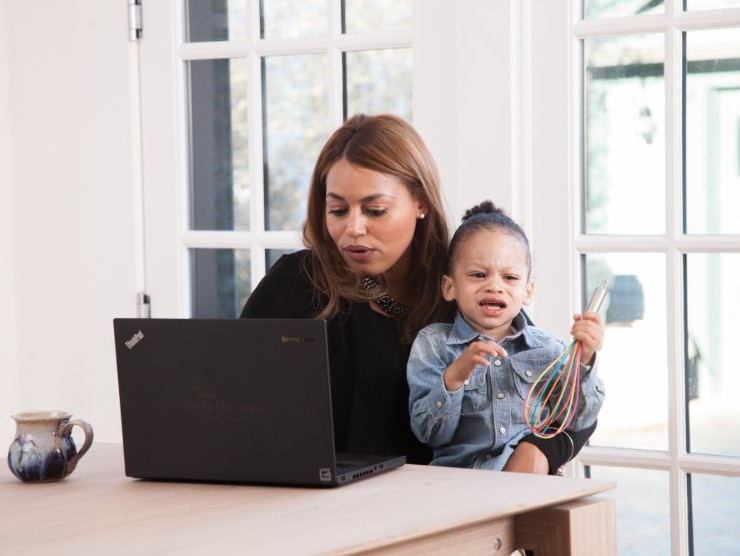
x: 469, y: 380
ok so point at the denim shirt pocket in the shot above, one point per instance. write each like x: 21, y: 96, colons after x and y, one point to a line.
x: 524, y: 375
x: 475, y: 392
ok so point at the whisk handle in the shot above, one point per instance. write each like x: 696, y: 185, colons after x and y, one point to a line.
x: 597, y: 298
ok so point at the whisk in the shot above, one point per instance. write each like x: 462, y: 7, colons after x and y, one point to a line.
x: 562, y: 385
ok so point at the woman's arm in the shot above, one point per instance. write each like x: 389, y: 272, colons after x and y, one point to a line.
x: 540, y: 455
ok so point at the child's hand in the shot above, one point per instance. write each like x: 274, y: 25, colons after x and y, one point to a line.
x: 475, y: 354
x: 589, y: 330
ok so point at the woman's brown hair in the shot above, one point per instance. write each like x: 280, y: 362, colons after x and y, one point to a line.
x: 390, y: 145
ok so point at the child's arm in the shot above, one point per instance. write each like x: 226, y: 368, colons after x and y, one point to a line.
x: 462, y: 368
x: 434, y: 408
x: 589, y: 330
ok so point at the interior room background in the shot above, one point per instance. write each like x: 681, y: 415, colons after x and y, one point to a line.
x: 175, y: 166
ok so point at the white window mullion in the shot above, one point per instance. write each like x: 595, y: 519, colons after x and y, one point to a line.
x: 673, y: 79
x: 183, y: 167
x: 334, y: 53
x: 256, y: 151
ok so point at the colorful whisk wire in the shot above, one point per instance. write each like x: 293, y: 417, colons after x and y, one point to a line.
x: 555, y: 392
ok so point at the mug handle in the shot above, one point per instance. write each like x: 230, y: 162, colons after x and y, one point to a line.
x: 66, y: 428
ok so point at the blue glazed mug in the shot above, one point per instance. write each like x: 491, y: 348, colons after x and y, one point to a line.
x: 43, y: 449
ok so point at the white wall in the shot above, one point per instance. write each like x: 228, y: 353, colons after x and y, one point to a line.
x: 462, y: 98
x: 66, y: 199
x: 9, y: 362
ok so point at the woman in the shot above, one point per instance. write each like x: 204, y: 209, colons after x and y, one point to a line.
x: 377, y: 238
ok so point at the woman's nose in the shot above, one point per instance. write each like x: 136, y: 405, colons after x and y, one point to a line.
x: 356, y: 224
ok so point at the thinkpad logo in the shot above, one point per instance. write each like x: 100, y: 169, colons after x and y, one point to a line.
x: 135, y: 339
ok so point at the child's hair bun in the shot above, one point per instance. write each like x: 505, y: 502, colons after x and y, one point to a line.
x: 486, y: 207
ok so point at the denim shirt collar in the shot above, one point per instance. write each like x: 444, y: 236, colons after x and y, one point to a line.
x: 463, y: 333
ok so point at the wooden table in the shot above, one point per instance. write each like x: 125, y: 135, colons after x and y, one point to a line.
x: 411, y: 510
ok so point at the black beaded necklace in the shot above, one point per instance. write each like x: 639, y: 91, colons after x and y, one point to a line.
x: 386, y: 302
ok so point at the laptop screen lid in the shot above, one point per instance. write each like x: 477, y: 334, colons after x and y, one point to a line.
x: 228, y: 400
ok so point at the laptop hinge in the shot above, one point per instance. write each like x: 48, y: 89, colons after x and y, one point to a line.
x: 135, y: 28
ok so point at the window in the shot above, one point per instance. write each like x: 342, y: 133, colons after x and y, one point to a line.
x: 260, y: 87
x: 660, y: 175
x: 266, y: 82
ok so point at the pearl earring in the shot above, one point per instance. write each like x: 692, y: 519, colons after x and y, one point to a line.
x: 421, y: 216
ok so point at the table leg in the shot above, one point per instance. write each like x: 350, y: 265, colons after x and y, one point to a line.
x: 585, y: 527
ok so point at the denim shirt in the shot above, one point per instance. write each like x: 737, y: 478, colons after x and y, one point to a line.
x: 480, y: 424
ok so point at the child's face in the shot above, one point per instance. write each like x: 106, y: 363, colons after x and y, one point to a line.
x: 489, y: 281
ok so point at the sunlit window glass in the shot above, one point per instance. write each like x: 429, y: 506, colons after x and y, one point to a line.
x: 219, y: 168
x: 373, y: 16
x: 221, y: 282
x: 295, y: 127
x: 293, y: 18
x: 593, y: 9
x: 713, y: 131
x: 713, y: 319
x: 632, y: 362
x: 379, y: 81
x: 624, y: 135
x: 714, y: 503
x: 711, y: 4
x: 642, y: 501
x: 216, y: 20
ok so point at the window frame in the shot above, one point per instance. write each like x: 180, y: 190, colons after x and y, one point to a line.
x: 675, y: 245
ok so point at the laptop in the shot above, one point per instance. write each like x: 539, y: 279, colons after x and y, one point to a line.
x: 236, y: 401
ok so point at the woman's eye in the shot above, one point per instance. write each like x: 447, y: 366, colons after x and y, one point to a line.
x: 337, y: 211
x: 376, y: 212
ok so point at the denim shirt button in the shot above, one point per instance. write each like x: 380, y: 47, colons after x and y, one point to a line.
x: 528, y: 373
x: 467, y: 382
x: 502, y: 430
x: 438, y: 404
x: 500, y: 395
x: 497, y: 362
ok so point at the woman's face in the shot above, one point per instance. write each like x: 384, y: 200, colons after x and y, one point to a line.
x: 371, y: 217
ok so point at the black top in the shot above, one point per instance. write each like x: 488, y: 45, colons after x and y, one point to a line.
x: 368, y: 370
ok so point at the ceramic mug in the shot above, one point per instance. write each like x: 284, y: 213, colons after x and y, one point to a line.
x: 43, y: 449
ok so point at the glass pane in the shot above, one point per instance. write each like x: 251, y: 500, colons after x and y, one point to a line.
x: 379, y: 81
x: 293, y: 18
x: 713, y: 321
x: 272, y: 255
x: 624, y: 134
x: 221, y: 282
x: 714, y: 514
x: 643, y: 510
x: 632, y: 362
x: 296, y: 126
x: 711, y: 4
x: 215, y: 20
x: 621, y: 8
x: 368, y: 16
x: 219, y: 180
x: 713, y: 131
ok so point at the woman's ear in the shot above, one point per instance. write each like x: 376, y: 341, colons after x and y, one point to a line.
x: 422, y: 208
x: 448, y: 288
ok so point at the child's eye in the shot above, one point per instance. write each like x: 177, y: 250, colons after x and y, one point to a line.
x: 479, y: 275
x: 511, y: 277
